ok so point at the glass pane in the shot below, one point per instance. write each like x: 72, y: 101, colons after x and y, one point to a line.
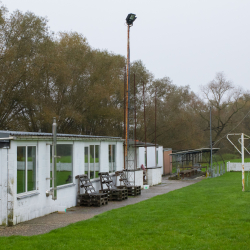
x: 21, y: 177
x: 132, y: 17
x: 157, y: 158
x: 97, y: 163
x: 113, y: 158
x: 110, y: 158
x: 64, y: 164
x: 110, y: 154
x: 92, y: 157
x: 31, y: 168
x: 86, y: 160
x: 50, y: 163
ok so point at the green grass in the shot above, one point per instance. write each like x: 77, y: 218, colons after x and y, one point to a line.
x: 21, y: 181
x: 239, y: 160
x: 61, y: 177
x: 212, y: 214
x: 215, y: 163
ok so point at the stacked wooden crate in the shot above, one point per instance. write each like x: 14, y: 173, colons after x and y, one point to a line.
x: 132, y: 190
x: 114, y: 193
x: 90, y: 197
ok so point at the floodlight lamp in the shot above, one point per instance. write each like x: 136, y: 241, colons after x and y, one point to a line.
x: 130, y: 18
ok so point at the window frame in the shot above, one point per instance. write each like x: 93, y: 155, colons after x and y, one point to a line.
x: 157, y: 157
x: 89, y: 170
x: 50, y: 171
x: 26, y: 145
x: 113, y: 156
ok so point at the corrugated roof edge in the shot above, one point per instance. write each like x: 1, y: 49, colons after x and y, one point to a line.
x: 199, y: 150
x: 21, y: 133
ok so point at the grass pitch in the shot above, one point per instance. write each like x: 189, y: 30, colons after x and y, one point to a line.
x: 212, y: 214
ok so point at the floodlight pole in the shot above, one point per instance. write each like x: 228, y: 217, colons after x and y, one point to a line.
x: 242, y: 164
x: 127, y: 98
x: 155, y: 130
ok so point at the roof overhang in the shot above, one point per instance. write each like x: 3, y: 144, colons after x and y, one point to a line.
x: 195, y: 151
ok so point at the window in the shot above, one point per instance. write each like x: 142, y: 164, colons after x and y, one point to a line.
x: 26, y: 169
x: 112, y: 163
x: 157, y: 158
x: 91, y: 161
x: 64, y: 164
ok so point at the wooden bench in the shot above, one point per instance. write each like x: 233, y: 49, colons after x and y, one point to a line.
x: 188, y: 173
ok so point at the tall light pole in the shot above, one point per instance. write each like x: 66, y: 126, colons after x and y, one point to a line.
x: 211, y: 144
x: 129, y: 20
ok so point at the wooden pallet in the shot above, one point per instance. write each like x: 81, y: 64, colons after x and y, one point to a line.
x: 90, y: 197
x: 135, y: 191
x: 132, y: 191
x: 96, y: 200
x: 116, y: 194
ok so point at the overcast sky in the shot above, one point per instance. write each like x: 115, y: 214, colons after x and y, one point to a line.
x: 186, y: 40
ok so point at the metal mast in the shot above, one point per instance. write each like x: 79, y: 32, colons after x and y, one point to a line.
x: 211, y: 145
x: 155, y: 130
x: 130, y: 156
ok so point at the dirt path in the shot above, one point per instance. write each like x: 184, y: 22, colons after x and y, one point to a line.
x: 52, y: 221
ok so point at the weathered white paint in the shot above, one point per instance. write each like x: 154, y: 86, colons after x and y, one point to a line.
x: 154, y: 176
x: 16, y: 208
x: 232, y: 166
x: 138, y: 178
x: 154, y: 173
x: 150, y: 156
x: 160, y: 158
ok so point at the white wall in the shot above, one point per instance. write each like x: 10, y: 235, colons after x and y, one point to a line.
x: 141, y: 156
x: 3, y: 186
x: 232, y: 166
x: 154, y: 176
x: 138, y: 177
x: 160, y: 158
x: 150, y: 156
x: 16, y: 208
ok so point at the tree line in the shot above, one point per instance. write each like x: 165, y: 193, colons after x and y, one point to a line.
x: 45, y: 75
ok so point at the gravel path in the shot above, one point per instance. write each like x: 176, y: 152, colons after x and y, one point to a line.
x: 52, y: 221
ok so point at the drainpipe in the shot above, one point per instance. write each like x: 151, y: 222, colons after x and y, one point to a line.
x: 54, y: 186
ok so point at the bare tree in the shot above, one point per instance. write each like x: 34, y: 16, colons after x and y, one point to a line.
x: 226, y: 101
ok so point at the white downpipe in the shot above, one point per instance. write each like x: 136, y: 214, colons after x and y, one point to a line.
x: 54, y: 157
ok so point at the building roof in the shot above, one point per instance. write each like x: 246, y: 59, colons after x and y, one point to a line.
x: 195, y: 151
x: 5, y: 135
